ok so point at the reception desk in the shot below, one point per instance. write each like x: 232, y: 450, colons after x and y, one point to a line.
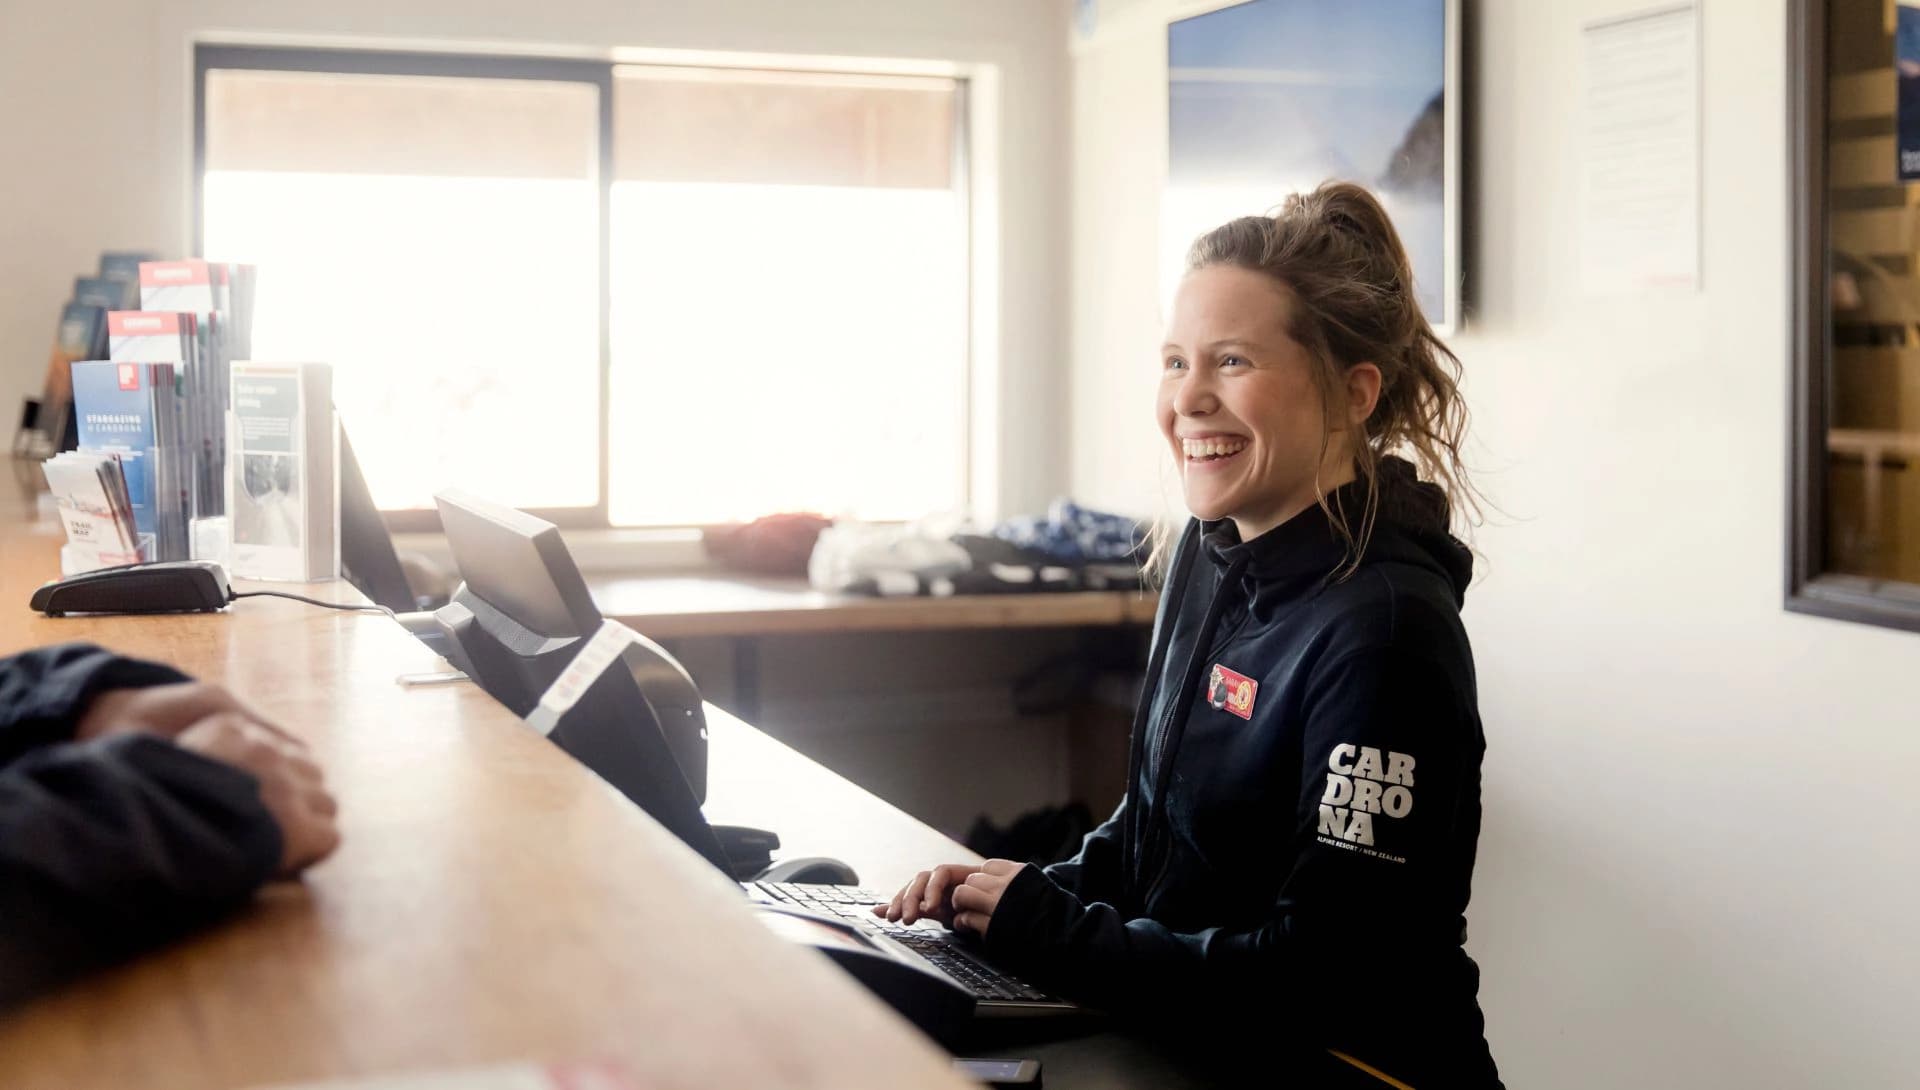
x: 492, y: 900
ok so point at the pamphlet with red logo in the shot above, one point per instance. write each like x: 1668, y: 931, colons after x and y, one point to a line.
x: 150, y: 336
x: 178, y: 285
x: 91, y: 492
x: 131, y: 410
x: 219, y: 297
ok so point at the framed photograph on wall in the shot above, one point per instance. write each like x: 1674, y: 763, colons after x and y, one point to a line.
x: 1271, y: 97
x: 1853, y: 471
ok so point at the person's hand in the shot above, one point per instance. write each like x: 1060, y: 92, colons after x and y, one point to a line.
x: 975, y: 899
x: 291, y: 786
x: 165, y: 710
x: 926, y: 895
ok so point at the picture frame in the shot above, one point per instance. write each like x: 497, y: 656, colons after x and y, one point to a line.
x: 1815, y: 582
x: 1272, y: 97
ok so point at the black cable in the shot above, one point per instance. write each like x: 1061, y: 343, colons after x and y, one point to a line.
x: 309, y: 601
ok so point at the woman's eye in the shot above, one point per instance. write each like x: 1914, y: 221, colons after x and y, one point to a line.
x: 1175, y: 363
x: 1233, y: 361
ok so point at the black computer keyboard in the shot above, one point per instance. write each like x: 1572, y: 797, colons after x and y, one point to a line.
x: 983, y: 980
x: 936, y: 945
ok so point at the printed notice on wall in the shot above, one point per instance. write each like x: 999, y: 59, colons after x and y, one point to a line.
x: 1640, y: 168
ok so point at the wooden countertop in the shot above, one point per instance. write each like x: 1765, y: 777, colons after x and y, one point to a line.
x: 665, y: 607
x: 492, y: 900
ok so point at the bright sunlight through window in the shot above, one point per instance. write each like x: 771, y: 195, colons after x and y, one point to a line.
x: 787, y: 282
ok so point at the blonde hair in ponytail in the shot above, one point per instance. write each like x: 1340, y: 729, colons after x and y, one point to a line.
x: 1337, y: 255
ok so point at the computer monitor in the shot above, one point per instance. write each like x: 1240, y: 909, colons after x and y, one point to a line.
x: 521, y: 609
x: 367, y: 558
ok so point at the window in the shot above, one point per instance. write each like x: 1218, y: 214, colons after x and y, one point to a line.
x: 1854, y: 531
x: 789, y: 285
x: 782, y: 257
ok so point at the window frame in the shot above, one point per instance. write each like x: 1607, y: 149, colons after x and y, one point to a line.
x: 601, y: 74
x: 1810, y: 587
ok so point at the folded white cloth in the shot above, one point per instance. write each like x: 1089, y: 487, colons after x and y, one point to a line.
x: 898, y: 557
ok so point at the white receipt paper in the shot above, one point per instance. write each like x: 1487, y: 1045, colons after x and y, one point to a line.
x: 607, y: 643
x: 1640, y: 167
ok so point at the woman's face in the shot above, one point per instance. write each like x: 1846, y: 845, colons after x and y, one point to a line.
x: 1238, y: 404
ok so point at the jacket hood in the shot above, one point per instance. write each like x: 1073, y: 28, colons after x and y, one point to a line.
x: 1411, y: 527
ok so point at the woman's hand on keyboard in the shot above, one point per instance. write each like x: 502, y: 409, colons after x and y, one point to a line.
x: 976, y: 899
x: 929, y: 894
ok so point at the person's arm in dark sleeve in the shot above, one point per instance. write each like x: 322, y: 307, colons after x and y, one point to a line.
x: 109, y: 847
x: 1347, y: 908
x: 43, y: 692
x: 1093, y: 874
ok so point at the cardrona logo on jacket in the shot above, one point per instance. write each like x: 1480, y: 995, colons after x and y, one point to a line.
x: 1361, y: 785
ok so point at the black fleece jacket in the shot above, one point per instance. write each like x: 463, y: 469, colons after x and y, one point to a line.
x: 1289, y: 871
x: 110, y: 846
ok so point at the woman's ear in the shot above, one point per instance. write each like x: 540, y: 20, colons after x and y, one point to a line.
x: 1363, y: 392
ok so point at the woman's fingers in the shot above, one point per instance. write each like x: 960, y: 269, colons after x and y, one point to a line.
x: 917, y: 889
x: 944, y: 877
x: 937, y: 882
x: 908, y: 898
x: 976, y: 898
x: 970, y: 921
x: 926, y: 895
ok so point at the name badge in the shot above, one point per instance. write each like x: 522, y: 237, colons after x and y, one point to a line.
x: 1231, y: 692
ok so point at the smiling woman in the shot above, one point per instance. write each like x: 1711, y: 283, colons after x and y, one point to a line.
x: 1303, y: 792
x: 1240, y: 406
x: 1299, y: 337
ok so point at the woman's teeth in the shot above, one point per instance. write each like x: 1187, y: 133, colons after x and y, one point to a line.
x: 1211, y: 448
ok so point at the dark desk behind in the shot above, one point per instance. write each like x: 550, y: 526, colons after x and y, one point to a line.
x: 666, y: 607
x: 747, y: 612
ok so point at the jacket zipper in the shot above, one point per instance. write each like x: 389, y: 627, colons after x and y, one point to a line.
x: 1160, y: 873
x: 1159, y: 753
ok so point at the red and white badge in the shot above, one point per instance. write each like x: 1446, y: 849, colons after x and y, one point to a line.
x: 1231, y: 692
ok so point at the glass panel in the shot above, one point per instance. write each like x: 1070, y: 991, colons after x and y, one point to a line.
x: 1873, y: 440
x: 437, y: 241
x: 789, y: 288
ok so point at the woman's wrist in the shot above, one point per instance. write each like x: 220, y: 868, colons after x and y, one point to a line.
x: 1033, y: 912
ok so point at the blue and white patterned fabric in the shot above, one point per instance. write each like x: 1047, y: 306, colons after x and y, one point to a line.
x: 1072, y: 534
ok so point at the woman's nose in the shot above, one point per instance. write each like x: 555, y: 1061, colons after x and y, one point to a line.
x: 1195, y: 395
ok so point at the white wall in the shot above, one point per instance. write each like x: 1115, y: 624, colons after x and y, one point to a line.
x: 96, y: 124
x: 1699, y: 862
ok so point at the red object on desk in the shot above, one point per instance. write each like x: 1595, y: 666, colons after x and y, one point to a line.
x: 773, y: 545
